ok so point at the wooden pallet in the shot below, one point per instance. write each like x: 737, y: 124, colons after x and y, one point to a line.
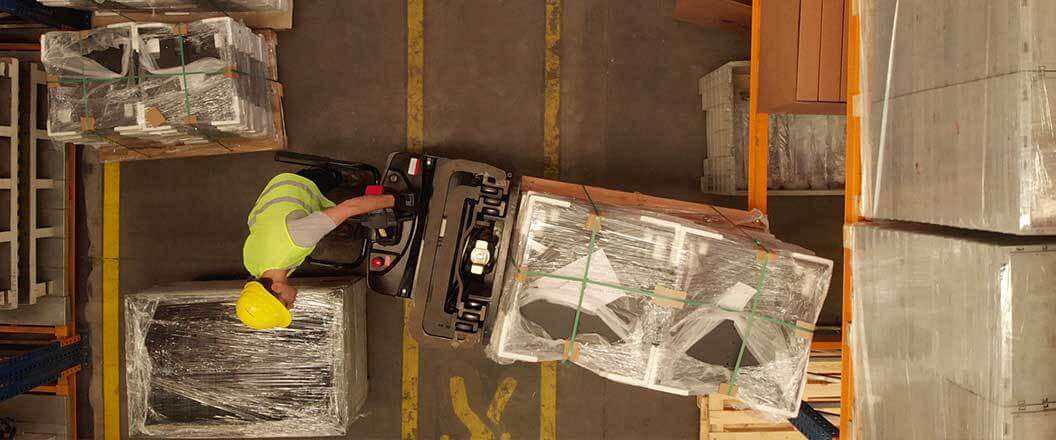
x: 144, y: 150
x: 722, y: 419
x: 725, y: 418
x: 280, y: 20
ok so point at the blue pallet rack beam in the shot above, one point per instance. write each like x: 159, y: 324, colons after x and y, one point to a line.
x: 39, y: 366
x: 813, y: 425
x: 62, y: 18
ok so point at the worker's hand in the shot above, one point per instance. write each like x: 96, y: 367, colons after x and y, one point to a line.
x: 364, y: 204
x: 358, y: 206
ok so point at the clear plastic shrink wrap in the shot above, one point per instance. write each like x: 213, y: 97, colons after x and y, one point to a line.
x: 194, y: 371
x: 953, y: 335
x: 957, y: 125
x: 170, y: 84
x: 633, y: 296
x: 171, y: 5
x: 806, y: 151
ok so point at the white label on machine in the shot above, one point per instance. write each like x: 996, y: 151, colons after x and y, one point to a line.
x: 414, y: 167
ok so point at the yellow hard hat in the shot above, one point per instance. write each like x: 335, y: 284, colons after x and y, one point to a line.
x: 259, y: 309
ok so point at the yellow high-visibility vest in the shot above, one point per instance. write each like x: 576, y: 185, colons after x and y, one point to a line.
x: 269, y: 245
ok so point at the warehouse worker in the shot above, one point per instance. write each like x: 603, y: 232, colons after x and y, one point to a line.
x: 288, y: 220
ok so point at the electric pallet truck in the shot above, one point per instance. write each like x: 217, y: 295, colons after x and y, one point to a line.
x: 447, y: 254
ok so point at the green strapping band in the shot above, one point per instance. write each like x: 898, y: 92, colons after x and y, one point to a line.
x: 751, y: 320
x: 586, y: 274
x: 183, y: 70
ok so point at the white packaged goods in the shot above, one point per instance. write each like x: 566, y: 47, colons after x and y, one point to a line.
x: 957, y: 114
x: 194, y: 371
x: 953, y: 335
x: 806, y: 151
x: 171, y: 5
x: 633, y: 295
x: 169, y: 84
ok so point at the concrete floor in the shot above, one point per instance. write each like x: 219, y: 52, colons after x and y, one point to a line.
x: 630, y: 120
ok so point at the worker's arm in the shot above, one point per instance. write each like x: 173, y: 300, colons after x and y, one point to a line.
x: 358, y: 206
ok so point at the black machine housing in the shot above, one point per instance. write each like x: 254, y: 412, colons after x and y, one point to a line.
x: 449, y: 256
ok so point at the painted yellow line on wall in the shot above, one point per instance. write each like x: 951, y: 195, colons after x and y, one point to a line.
x: 551, y: 170
x: 415, y: 76
x: 460, y: 402
x: 111, y: 300
x: 415, y: 144
x: 552, y: 92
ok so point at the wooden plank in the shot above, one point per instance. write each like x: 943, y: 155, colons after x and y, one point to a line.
x: 740, y: 417
x: 688, y: 210
x: 731, y: 15
x: 817, y: 391
x: 705, y: 418
x: 781, y: 435
x: 830, y: 70
x: 809, y: 62
x: 277, y: 20
x: 825, y: 367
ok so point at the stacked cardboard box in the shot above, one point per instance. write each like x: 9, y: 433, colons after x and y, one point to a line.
x: 961, y: 132
x: 952, y: 334
x: 952, y: 282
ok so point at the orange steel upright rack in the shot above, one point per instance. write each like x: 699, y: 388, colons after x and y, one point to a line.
x: 852, y: 206
x: 758, y: 152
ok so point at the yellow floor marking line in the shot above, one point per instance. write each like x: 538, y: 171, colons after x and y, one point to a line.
x: 551, y: 170
x: 111, y: 301
x: 552, y: 92
x: 409, y: 408
x: 548, y: 401
x: 460, y: 402
x: 502, y: 396
x: 415, y: 76
x: 415, y: 144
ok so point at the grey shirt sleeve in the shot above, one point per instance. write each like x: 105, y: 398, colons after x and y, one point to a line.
x: 307, y: 230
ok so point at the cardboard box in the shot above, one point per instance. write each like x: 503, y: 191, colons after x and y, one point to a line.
x: 733, y: 15
x: 802, y: 62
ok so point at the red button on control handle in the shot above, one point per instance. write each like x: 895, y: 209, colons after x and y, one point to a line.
x: 375, y: 190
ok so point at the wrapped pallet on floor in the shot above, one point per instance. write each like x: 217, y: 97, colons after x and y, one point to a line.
x: 953, y: 334
x: 957, y: 115
x: 171, y: 5
x: 193, y: 370
x: 652, y: 296
x: 148, y: 90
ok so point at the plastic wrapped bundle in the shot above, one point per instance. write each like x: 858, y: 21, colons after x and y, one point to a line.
x: 953, y: 335
x: 172, y: 5
x: 168, y: 84
x: 806, y: 151
x: 634, y: 295
x: 193, y: 370
x: 964, y: 112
